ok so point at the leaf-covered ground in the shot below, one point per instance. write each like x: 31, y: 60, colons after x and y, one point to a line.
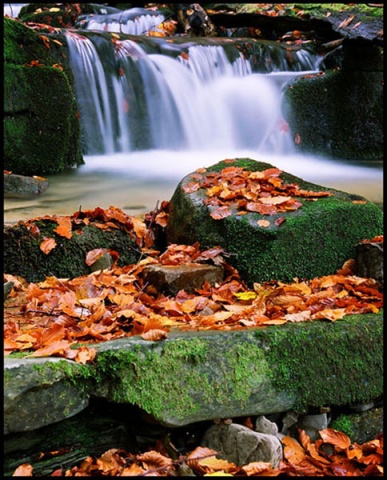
x: 65, y: 317
x: 331, y: 455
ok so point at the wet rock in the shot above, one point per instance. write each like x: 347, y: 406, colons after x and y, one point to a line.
x: 189, y: 277
x: 20, y: 186
x: 241, y: 445
x: 360, y: 427
x: 8, y: 286
x: 105, y: 261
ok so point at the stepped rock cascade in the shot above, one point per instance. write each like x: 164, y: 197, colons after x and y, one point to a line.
x: 144, y: 93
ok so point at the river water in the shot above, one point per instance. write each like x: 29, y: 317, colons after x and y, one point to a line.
x: 136, y: 181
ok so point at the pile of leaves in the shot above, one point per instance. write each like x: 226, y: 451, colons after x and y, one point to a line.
x: 263, y: 192
x: 331, y: 455
x: 50, y: 318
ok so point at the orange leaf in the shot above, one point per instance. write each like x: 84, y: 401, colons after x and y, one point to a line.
x: 85, y: 354
x: 58, y: 347
x: 220, y: 213
x: 24, y: 470
x: 255, y: 468
x: 263, y: 223
x: 64, y: 227
x: 47, y: 245
x: 155, y: 335
x: 293, y: 451
x: 93, y: 255
x: 339, y: 439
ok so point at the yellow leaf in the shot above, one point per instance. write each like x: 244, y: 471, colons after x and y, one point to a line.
x: 54, y: 9
x: 114, y: 35
x: 246, y: 296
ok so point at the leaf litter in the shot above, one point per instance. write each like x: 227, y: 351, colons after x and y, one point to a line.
x: 51, y: 318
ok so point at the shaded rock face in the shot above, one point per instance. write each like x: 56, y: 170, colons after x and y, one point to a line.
x: 313, y: 241
x: 370, y: 261
x: 33, y: 400
x: 241, y: 445
x: 41, y: 125
x: 339, y: 113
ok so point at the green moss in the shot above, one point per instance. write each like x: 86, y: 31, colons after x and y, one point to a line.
x: 336, y: 363
x: 343, y: 424
x: 177, y: 378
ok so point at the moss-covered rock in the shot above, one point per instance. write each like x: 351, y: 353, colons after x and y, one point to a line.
x: 41, y: 124
x: 188, y: 378
x: 22, y: 254
x: 360, y: 427
x: 338, y: 114
x: 313, y: 241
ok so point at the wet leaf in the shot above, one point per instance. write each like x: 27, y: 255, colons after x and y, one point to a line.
x: 340, y: 440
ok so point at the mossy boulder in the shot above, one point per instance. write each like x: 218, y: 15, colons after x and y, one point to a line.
x: 339, y: 113
x: 313, y: 241
x: 189, y: 378
x: 41, y: 125
x: 23, y: 256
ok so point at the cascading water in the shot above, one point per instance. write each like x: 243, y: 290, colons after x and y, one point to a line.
x: 198, y: 99
x: 155, y: 109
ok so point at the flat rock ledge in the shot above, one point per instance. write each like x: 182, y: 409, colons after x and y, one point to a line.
x: 196, y: 376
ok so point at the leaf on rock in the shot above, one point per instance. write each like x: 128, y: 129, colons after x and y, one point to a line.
x: 47, y: 245
x: 155, y: 335
x: 220, y: 213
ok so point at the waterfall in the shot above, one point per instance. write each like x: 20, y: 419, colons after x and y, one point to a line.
x: 181, y: 95
x: 135, y: 21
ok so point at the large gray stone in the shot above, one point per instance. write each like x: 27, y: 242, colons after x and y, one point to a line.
x: 195, y: 376
x: 38, y: 393
x: 241, y: 445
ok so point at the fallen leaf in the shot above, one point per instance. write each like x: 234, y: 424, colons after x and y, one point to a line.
x: 47, y: 245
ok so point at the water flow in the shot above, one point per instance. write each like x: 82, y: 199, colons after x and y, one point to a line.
x: 132, y: 100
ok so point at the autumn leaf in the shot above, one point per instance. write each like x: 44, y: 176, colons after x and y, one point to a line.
x: 155, y: 335
x: 64, y: 227
x: 255, y: 468
x: 152, y: 460
x: 24, y: 470
x: 220, y: 213
x: 297, y: 139
x: 47, y: 245
x: 263, y: 223
x: 85, y: 355
x: 293, y: 451
x: 340, y: 440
